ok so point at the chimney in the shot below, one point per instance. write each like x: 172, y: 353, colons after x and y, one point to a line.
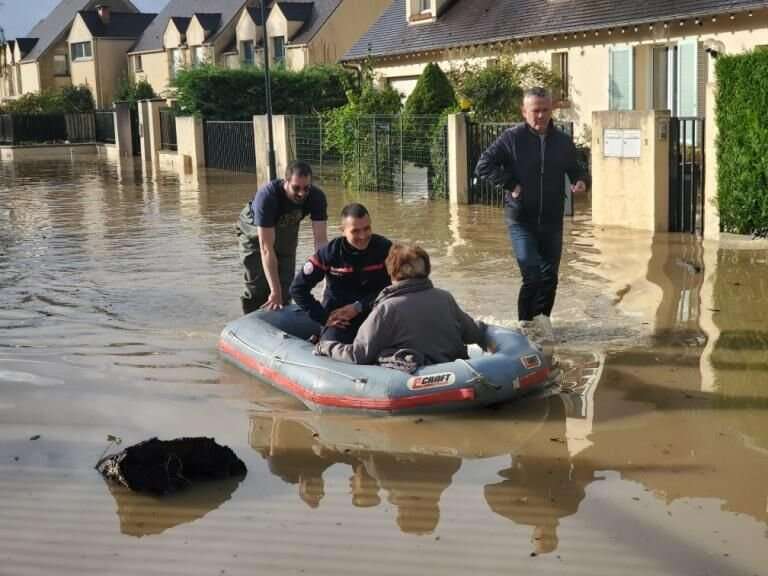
x: 105, y: 13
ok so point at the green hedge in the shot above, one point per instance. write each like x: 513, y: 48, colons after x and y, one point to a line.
x: 742, y: 145
x: 224, y: 94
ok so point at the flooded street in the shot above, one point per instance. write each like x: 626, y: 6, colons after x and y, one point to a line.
x: 114, y: 287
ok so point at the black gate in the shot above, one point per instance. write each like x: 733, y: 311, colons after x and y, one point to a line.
x: 686, y: 175
x: 135, y: 136
x: 479, y: 137
x: 230, y: 146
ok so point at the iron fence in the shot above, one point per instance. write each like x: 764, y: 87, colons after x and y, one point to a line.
x: 230, y: 146
x: 32, y: 128
x: 104, y: 126
x: 80, y: 127
x: 686, y: 175
x: 381, y: 153
x: 480, y: 135
x: 168, y: 138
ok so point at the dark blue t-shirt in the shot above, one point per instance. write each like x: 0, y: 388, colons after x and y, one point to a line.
x: 271, y: 208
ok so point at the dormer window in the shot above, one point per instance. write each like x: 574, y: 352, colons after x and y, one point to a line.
x: 424, y: 7
x: 421, y: 10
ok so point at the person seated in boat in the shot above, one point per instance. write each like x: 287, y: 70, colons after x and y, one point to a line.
x: 410, y: 316
x: 354, y: 269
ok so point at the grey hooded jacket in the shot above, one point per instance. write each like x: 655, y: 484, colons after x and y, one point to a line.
x: 411, y: 314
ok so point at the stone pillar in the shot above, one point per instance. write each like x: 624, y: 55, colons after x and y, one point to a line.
x: 630, y: 169
x: 458, y: 171
x: 284, y: 152
x: 711, y: 212
x: 123, y: 134
x: 191, y: 149
x: 149, y: 127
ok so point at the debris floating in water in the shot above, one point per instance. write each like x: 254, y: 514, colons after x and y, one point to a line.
x: 166, y: 466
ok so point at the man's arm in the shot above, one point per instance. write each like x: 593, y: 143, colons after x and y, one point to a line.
x: 575, y: 171
x: 320, y: 232
x: 472, y: 331
x: 269, y: 263
x: 306, y: 279
x: 497, y: 164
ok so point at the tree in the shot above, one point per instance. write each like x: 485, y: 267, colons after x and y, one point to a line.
x: 433, y: 93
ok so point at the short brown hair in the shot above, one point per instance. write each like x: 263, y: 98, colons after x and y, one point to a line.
x: 404, y: 262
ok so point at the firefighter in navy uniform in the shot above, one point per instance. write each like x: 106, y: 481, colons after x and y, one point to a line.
x: 355, y: 272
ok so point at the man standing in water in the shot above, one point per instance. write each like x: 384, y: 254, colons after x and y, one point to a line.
x: 268, y: 234
x: 530, y: 162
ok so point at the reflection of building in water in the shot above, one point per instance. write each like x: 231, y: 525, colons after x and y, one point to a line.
x: 414, y: 483
x: 541, y: 486
x: 144, y: 515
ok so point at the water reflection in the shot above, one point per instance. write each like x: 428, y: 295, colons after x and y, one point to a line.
x: 144, y: 515
x: 411, y: 462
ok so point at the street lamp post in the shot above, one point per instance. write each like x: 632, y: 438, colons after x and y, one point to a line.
x: 268, y: 92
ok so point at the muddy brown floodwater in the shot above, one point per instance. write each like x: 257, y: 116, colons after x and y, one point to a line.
x: 114, y: 286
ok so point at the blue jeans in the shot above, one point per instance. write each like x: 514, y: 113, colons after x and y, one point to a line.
x: 538, y: 251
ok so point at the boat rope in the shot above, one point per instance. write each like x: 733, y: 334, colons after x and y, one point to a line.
x: 478, y: 377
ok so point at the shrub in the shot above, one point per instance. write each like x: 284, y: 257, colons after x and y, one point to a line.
x: 223, y: 94
x: 433, y: 93
x: 131, y: 91
x: 69, y: 100
x: 742, y: 143
x: 495, y: 91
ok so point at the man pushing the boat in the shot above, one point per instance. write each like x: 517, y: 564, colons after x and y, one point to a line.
x: 353, y: 266
x: 268, y: 232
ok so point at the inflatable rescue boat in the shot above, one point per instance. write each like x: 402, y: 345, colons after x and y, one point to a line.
x: 274, y: 346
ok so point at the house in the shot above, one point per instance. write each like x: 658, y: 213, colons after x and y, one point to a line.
x: 98, y: 43
x: 228, y: 33
x: 186, y: 33
x: 41, y: 60
x: 303, y: 33
x: 621, y: 55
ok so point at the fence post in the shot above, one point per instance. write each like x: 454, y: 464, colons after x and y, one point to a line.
x: 375, y: 155
x: 149, y: 123
x: 711, y: 210
x: 402, y: 154
x: 123, y: 135
x: 458, y: 171
x: 189, y: 135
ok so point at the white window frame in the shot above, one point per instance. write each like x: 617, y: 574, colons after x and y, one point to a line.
x: 81, y: 51
x: 138, y: 65
x: 631, y: 76
x: 244, y: 51
x: 66, y: 72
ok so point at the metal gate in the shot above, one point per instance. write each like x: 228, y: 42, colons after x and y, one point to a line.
x: 135, y: 135
x: 230, y: 146
x: 479, y: 137
x: 686, y: 175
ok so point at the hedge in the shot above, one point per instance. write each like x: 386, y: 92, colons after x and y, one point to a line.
x: 225, y: 94
x: 742, y: 143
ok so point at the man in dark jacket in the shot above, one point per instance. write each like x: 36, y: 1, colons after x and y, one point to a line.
x: 353, y: 266
x: 530, y: 162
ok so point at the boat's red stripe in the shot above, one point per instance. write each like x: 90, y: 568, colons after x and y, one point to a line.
x: 534, y: 378
x: 443, y: 397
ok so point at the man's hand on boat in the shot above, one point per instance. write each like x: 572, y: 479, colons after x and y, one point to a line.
x: 342, y: 317
x: 274, y: 302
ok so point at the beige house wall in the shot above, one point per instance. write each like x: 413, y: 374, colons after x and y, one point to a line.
x: 111, y: 66
x: 30, y: 78
x: 296, y: 57
x: 342, y: 29
x: 171, y: 36
x: 155, y: 70
x: 195, y: 33
x: 83, y: 70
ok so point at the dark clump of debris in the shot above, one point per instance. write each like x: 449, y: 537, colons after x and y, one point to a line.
x: 165, y: 466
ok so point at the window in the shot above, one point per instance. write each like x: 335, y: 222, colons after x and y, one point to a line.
x: 60, y: 65
x: 678, y: 77
x: 246, y: 52
x: 424, y: 6
x: 138, y: 65
x: 81, y: 50
x: 175, y: 61
x: 560, y: 70
x: 199, y: 56
x: 621, y: 83
x: 278, y: 45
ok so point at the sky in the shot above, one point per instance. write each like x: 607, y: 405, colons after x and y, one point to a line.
x: 17, y: 17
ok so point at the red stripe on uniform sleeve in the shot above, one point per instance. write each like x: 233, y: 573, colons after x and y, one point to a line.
x: 316, y: 261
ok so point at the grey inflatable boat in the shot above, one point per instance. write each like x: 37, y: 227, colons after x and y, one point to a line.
x: 274, y: 346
